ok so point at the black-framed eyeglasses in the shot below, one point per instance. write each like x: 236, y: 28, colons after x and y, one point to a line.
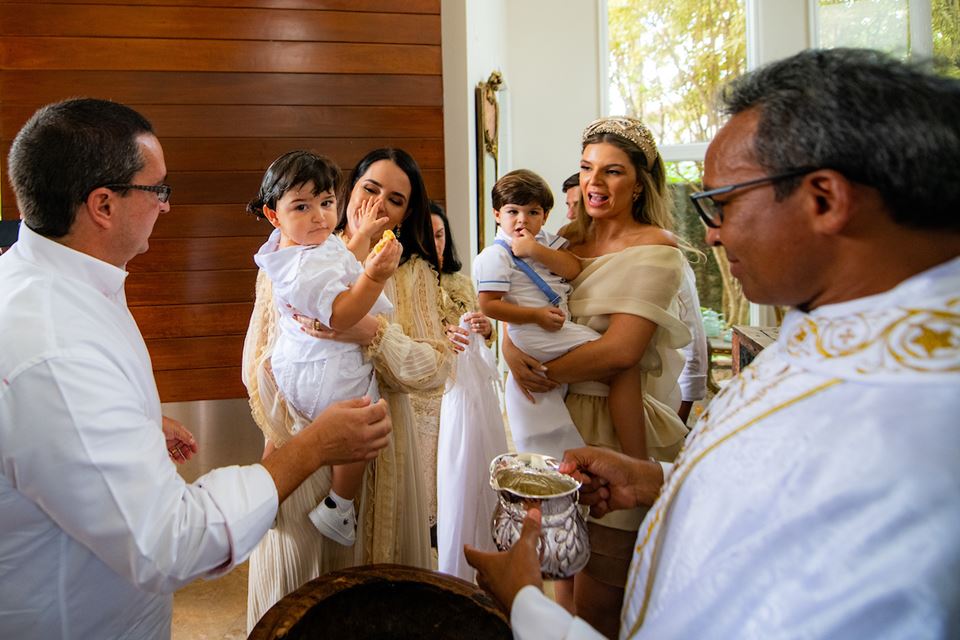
x: 711, y: 211
x: 163, y: 191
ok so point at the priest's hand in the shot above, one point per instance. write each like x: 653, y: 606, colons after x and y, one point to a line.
x: 612, y: 480
x: 503, y: 574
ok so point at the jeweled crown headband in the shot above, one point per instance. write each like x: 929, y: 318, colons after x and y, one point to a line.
x: 629, y: 128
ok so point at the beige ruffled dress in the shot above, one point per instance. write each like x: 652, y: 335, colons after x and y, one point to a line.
x: 409, y: 353
x: 641, y: 281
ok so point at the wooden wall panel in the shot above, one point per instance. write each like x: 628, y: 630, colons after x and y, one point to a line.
x: 228, y: 85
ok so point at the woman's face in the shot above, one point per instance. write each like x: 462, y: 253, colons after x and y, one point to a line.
x: 608, y: 181
x: 384, y: 180
x: 439, y: 235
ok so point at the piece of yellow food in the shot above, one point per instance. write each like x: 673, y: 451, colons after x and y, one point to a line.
x: 387, y: 237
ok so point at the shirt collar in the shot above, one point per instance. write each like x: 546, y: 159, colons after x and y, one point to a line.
x: 104, y: 277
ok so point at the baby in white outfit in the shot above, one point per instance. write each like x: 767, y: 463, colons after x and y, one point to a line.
x: 316, y: 274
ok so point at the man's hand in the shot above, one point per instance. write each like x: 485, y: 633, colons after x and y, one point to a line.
x: 550, y: 318
x: 524, y: 245
x: 181, y: 445
x: 351, y: 431
x: 504, y: 574
x: 347, y: 431
x: 612, y: 480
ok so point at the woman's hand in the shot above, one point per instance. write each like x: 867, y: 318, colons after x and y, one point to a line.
x: 479, y: 323
x: 361, y: 333
x: 457, y: 336
x: 529, y: 373
x: 181, y: 444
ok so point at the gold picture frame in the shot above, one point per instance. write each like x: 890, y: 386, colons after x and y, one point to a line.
x: 488, y: 140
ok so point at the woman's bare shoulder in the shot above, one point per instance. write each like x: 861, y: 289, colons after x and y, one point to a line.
x: 650, y: 235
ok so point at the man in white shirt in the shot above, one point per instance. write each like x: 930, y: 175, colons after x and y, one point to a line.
x: 819, y: 494
x: 97, y: 528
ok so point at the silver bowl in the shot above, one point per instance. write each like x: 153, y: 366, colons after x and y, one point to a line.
x: 523, y: 480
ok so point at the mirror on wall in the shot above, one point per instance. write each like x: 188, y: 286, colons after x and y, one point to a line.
x: 488, y: 136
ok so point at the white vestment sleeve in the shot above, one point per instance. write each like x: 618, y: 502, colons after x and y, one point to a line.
x: 535, y: 616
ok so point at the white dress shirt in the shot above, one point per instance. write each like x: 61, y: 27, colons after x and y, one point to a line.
x: 98, y: 529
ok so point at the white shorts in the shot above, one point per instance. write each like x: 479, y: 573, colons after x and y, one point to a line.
x: 314, y: 385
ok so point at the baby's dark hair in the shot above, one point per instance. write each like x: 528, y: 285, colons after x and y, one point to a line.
x: 291, y: 170
x: 522, y: 187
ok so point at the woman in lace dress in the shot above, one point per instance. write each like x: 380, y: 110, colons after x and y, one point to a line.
x: 410, y: 353
x: 627, y: 291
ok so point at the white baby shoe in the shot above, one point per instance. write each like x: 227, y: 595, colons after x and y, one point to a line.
x: 336, y: 523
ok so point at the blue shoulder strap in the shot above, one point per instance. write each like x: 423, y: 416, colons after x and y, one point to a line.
x: 552, y: 295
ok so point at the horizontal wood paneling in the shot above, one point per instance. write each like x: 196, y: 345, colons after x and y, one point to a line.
x: 196, y: 320
x: 140, y: 21
x: 146, y: 54
x: 190, y: 287
x: 227, y: 121
x: 255, y: 154
x: 214, y: 187
x: 33, y: 87
x: 195, y: 353
x: 229, y: 85
x: 197, y: 254
x: 388, y: 6
x: 183, y: 385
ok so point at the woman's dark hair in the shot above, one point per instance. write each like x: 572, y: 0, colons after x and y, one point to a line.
x: 415, y: 232
x: 451, y: 263
x: 291, y: 170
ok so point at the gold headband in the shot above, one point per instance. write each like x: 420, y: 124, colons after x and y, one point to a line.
x: 628, y: 128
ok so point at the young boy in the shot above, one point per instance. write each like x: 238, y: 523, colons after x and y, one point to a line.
x: 538, y: 317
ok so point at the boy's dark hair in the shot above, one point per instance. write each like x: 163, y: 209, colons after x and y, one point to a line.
x: 294, y: 169
x: 571, y: 182
x: 522, y: 187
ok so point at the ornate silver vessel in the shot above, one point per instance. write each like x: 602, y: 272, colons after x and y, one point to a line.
x: 526, y: 479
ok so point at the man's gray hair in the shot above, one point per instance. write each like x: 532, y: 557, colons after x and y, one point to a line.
x: 880, y: 122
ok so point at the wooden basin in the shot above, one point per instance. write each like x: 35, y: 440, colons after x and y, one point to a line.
x: 384, y: 601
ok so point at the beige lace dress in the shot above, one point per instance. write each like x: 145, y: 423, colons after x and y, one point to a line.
x: 410, y: 353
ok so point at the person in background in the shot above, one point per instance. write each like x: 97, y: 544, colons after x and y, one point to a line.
x: 98, y: 528
x: 819, y: 494
x: 456, y: 297
x: 696, y: 355
x: 571, y: 193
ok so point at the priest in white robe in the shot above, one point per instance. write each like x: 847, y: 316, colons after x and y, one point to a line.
x: 819, y: 494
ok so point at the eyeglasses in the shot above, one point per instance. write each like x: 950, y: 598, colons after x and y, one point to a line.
x: 711, y: 211
x: 163, y: 191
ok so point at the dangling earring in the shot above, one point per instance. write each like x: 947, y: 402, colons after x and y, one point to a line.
x: 396, y: 232
x: 636, y: 194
